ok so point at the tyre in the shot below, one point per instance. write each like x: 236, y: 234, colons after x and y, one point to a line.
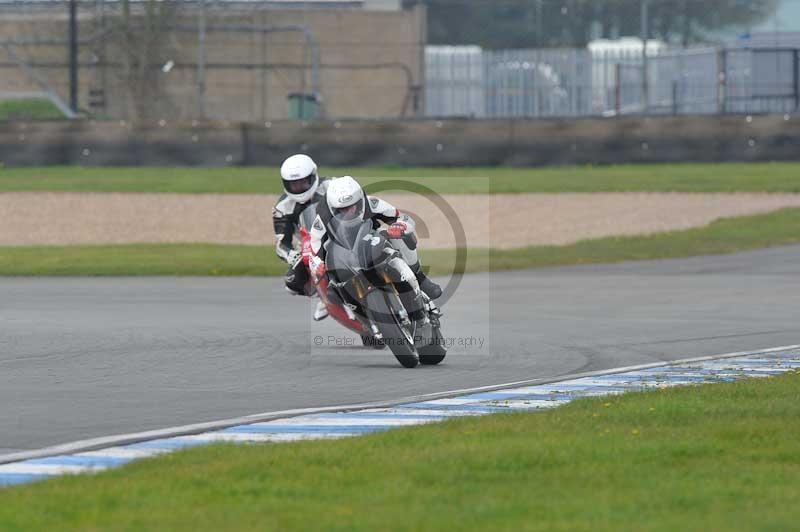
x: 430, y: 355
x: 372, y: 342
x: 395, y: 335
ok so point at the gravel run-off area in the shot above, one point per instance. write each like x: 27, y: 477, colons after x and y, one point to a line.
x: 500, y: 221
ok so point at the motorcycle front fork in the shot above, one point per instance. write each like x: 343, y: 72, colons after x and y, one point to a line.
x: 432, y: 311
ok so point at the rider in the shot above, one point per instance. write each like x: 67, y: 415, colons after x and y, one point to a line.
x: 346, y: 198
x: 303, y: 187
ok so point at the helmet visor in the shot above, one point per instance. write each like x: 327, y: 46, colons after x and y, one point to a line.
x: 350, y: 212
x: 299, y: 186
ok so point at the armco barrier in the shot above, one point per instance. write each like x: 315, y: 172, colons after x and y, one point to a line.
x: 406, y: 143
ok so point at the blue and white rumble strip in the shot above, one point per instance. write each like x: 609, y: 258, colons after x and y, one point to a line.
x: 356, y: 422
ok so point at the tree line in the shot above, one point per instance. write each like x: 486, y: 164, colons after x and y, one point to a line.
x: 548, y: 23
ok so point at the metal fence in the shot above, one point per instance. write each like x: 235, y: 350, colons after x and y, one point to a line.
x: 763, y: 80
x: 468, y: 81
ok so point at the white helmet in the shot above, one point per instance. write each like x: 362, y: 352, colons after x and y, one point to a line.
x: 299, y: 174
x: 346, y: 199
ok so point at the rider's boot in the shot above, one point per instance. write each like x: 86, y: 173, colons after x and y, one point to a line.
x: 431, y: 289
x: 321, y: 312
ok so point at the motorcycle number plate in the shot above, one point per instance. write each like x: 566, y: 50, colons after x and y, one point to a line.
x: 373, y: 240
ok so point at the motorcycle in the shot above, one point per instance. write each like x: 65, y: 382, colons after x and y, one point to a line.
x: 374, y: 286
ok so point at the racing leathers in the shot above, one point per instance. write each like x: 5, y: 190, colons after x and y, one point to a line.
x: 286, y: 221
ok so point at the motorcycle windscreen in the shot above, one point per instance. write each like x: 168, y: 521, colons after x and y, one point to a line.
x: 347, y: 232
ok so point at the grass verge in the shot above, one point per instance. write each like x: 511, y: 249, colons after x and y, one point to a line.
x: 29, y: 109
x: 729, y: 177
x: 140, y: 260
x: 723, y: 236
x: 712, y: 457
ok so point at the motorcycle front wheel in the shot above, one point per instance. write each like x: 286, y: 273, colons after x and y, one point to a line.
x: 395, y: 335
x: 430, y: 355
x: 372, y: 342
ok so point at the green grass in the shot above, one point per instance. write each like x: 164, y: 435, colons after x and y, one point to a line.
x: 29, y: 109
x: 723, y: 236
x: 727, y: 235
x: 733, y: 177
x: 711, y: 457
x: 140, y: 260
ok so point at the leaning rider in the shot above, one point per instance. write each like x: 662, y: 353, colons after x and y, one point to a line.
x: 303, y: 187
x: 345, y: 198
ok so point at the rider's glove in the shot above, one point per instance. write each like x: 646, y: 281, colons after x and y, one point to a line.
x: 293, y: 258
x: 317, y: 266
x: 397, y: 229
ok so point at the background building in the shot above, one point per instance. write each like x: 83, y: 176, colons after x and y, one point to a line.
x: 239, y: 61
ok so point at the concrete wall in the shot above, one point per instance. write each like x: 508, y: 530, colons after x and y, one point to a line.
x: 407, y: 143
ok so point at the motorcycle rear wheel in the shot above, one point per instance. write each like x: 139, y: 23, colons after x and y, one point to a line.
x: 386, y: 318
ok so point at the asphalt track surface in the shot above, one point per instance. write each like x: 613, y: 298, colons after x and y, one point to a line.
x: 82, y: 358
